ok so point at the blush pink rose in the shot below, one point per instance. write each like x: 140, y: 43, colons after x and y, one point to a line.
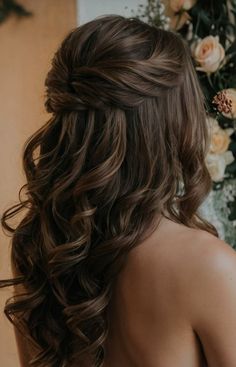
x: 209, y: 54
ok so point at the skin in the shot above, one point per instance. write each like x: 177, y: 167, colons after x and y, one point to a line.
x: 174, y: 303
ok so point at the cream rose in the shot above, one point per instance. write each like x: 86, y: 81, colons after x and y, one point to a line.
x: 209, y: 54
x: 220, y: 138
x: 177, y: 5
x: 216, y: 164
x: 231, y: 94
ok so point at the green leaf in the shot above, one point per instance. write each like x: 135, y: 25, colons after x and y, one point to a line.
x: 231, y: 168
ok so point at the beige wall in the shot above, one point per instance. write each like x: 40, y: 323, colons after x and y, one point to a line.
x: 26, y: 47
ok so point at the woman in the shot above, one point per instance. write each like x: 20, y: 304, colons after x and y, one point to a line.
x: 113, y: 264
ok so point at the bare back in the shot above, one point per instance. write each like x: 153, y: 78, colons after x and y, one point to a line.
x: 173, y: 304
x: 150, y: 316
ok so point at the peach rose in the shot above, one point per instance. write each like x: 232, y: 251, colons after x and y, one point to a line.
x: 220, y: 138
x: 209, y: 54
x: 216, y: 164
x: 177, y: 5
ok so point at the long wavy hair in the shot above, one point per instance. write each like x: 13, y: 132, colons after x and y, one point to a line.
x: 126, y: 141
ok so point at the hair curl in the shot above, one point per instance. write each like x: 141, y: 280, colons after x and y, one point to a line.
x: 126, y: 141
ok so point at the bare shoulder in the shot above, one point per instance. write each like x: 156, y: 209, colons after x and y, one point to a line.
x: 188, y: 274
x: 175, y: 260
x: 184, y: 249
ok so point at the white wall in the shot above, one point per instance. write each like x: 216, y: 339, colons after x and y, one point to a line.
x: 89, y: 9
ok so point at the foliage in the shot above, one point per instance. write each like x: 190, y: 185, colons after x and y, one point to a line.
x: 209, y: 27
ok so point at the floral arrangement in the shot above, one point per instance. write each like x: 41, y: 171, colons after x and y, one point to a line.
x: 209, y: 27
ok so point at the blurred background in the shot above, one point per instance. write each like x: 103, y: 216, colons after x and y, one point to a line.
x: 27, y: 45
x: 31, y: 31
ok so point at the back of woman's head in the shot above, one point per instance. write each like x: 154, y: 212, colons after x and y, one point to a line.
x: 126, y: 142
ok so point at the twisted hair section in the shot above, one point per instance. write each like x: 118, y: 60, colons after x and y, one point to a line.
x: 125, y: 143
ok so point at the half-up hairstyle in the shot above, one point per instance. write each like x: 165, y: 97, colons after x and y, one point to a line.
x: 126, y: 142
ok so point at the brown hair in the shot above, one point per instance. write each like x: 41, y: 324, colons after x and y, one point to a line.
x: 126, y: 141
